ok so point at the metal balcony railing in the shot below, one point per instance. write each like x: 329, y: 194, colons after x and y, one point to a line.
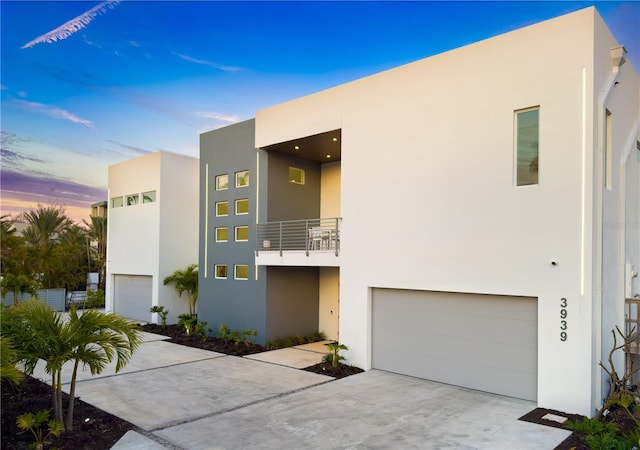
x: 308, y: 235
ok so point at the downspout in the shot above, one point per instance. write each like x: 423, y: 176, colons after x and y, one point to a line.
x: 617, y: 59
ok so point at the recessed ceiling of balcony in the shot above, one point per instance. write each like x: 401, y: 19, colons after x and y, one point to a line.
x: 322, y: 148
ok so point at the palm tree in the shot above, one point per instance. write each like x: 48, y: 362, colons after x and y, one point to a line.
x: 97, y: 232
x: 92, y: 339
x: 186, y: 281
x: 19, y: 285
x: 8, y: 360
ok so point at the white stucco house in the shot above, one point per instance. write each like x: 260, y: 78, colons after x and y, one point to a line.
x: 471, y: 218
x: 152, y: 231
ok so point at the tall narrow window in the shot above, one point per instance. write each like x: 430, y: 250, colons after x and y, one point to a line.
x: 222, y: 182
x: 526, y: 141
x: 242, y: 178
x: 241, y: 272
x: 222, y: 209
x: 242, y: 206
x: 608, y: 150
x: 242, y: 234
x: 296, y: 176
x: 222, y: 234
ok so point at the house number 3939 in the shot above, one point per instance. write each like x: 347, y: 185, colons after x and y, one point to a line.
x: 563, y: 319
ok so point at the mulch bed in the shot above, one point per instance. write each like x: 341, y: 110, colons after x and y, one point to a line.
x: 94, y: 429
x: 575, y: 440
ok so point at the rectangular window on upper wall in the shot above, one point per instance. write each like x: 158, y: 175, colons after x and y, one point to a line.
x: 608, y: 150
x: 526, y: 143
x: 242, y: 206
x: 296, y: 176
x: 242, y: 233
x: 242, y: 179
x: 222, y: 182
x: 133, y: 199
x: 116, y: 202
x: 222, y: 234
x: 221, y: 271
x: 222, y: 209
x: 241, y: 272
x: 149, y: 197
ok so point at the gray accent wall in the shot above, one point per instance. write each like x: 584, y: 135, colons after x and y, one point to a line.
x: 292, y: 301
x: 239, y: 304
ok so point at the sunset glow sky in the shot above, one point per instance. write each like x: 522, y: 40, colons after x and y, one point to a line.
x: 84, y: 85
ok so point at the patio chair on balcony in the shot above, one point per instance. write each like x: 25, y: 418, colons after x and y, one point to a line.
x: 316, y: 237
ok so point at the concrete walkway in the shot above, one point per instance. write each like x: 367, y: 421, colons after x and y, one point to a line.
x: 186, y: 398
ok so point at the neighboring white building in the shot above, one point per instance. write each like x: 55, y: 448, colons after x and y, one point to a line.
x: 488, y: 214
x: 152, y: 231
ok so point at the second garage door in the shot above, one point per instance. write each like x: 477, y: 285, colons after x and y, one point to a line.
x: 133, y: 296
x: 484, y: 342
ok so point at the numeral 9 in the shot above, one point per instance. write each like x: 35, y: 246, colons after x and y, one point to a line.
x: 563, y: 336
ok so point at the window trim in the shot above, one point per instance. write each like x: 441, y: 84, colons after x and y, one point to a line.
x: 516, y: 146
x: 238, y: 185
x: 302, y: 174
x: 215, y: 271
x: 235, y: 234
x: 220, y: 204
x: 235, y: 271
x: 217, y: 229
x: 236, y: 206
x: 217, y: 182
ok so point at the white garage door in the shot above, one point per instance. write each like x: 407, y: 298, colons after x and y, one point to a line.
x: 133, y: 296
x: 483, y: 342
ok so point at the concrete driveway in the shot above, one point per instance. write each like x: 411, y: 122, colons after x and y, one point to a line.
x: 185, y: 398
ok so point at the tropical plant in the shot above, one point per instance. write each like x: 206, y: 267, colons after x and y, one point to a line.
x: 8, y: 360
x: 92, y: 339
x: 36, y: 424
x: 12, y: 248
x: 95, y: 299
x: 163, y: 313
x: 237, y: 337
x: 97, y: 233
x: 290, y: 341
x: 18, y: 285
x: 187, y: 322
x: 186, y: 281
x: 334, y: 357
x: 202, y: 330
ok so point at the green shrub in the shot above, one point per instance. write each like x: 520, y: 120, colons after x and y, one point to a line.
x: 202, y: 330
x: 36, y: 424
x: 334, y: 357
x: 291, y: 341
x: 95, y: 299
x: 163, y: 313
x: 187, y: 322
x: 237, y: 337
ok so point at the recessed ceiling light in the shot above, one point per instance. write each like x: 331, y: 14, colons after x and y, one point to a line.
x: 296, y: 148
x: 328, y: 156
x: 335, y: 139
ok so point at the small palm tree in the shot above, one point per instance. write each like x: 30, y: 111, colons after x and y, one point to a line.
x: 92, y: 339
x: 8, y: 360
x: 18, y: 284
x: 186, y: 281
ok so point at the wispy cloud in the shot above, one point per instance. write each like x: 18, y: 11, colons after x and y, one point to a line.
x: 3, y: 87
x: 134, y: 149
x: 74, y: 25
x: 54, y: 112
x: 215, y: 116
x: 207, y: 63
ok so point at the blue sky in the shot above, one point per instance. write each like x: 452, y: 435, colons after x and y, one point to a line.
x: 142, y: 76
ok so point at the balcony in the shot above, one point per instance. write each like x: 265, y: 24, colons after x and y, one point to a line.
x: 307, y: 242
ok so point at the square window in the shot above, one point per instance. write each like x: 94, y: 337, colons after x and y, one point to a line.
x: 526, y: 142
x: 242, y: 234
x: 222, y: 209
x: 242, y: 178
x: 222, y: 182
x: 221, y: 271
x: 132, y: 199
x: 242, y: 206
x: 116, y: 202
x: 296, y: 176
x: 149, y: 197
x: 241, y: 272
x: 222, y: 234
